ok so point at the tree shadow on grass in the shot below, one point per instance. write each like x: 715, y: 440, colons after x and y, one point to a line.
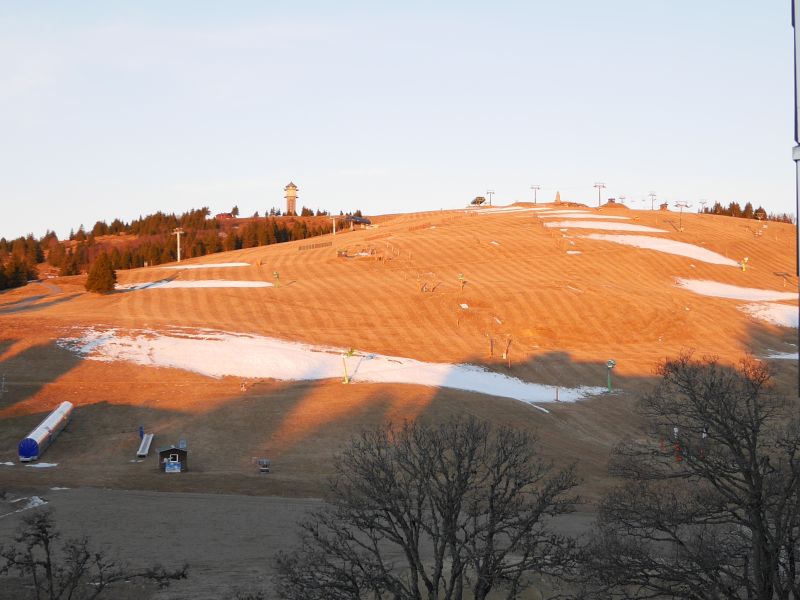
x: 30, y: 370
x: 27, y: 305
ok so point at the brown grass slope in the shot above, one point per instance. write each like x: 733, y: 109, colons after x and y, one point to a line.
x: 565, y: 314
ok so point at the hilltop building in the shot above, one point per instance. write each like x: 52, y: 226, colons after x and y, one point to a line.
x: 291, y: 198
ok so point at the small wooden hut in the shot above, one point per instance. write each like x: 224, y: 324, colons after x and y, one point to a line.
x: 173, y: 459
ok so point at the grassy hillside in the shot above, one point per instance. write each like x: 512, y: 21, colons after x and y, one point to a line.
x: 566, y: 303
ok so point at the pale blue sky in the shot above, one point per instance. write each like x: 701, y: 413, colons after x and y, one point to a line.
x: 116, y: 109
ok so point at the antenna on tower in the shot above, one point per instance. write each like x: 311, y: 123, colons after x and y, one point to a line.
x: 178, y: 231
x: 681, y: 205
x: 535, y: 189
x: 599, y: 187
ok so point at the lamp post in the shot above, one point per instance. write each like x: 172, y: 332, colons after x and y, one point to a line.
x: 599, y: 187
x: 652, y: 196
x: 177, y: 232
x: 490, y: 193
x: 535, y: 189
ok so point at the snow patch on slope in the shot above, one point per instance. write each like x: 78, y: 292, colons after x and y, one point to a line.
x: 784, y: 315
x: 210, y: 266
x: 664, y: 245
x: 218, y: 353
x: 716, y: 289
x: 604, y: 225
x: 200, y: 283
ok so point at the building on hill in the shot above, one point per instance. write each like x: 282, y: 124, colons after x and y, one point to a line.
x: 291, y: 198
x: 223, y: 216
x: 354, y: 220
x: 173, y: 458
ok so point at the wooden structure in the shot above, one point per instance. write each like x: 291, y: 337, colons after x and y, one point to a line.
x: 173, y: 459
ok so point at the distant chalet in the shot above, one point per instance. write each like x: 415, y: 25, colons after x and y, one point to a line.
x: 223, y: 216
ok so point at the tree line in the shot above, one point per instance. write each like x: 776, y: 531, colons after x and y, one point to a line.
x: 734, y: 209
x: 148, y: 240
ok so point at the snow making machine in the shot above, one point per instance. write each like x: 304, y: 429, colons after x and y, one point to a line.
x: 37, y: 441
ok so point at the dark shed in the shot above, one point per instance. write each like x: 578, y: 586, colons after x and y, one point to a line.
x: 173, y: 458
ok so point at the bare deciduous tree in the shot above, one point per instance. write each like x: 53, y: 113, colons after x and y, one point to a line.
x: 716, y: 512
x: 72, y: 571
x: 433, y: 512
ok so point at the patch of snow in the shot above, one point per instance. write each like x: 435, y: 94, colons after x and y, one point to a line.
x: 200, y: 283
x: 503, y: 209
x: 495, y: 243
x: 7, y: 464
x: 705, y: 287
x: 219, y: 354
x: 784, y: 315
x: 667, y: 246
x: 42, y: 465
x: 464, y: 306
x: 573, y: 251
x: 32, y: 502
x: 605, y: 226
x: 57, y: 489
x: 210, y: 266
x: 783, y: 356
x: 580, y: 215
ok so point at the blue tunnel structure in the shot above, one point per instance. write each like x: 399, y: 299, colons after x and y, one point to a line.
x: 37, y: 441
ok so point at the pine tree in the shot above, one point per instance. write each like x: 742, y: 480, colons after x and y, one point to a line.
x: 101, y: 276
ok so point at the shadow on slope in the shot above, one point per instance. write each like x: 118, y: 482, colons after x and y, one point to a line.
x: 29, y: 305
x: 28, y: 371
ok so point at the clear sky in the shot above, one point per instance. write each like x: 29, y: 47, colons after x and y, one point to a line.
x: 116, y: 109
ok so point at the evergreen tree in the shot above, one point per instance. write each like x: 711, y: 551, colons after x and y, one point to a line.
x: 101, y: 276
x: 18, y: 272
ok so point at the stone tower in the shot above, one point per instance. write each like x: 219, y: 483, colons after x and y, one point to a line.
x: 291, y: 198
